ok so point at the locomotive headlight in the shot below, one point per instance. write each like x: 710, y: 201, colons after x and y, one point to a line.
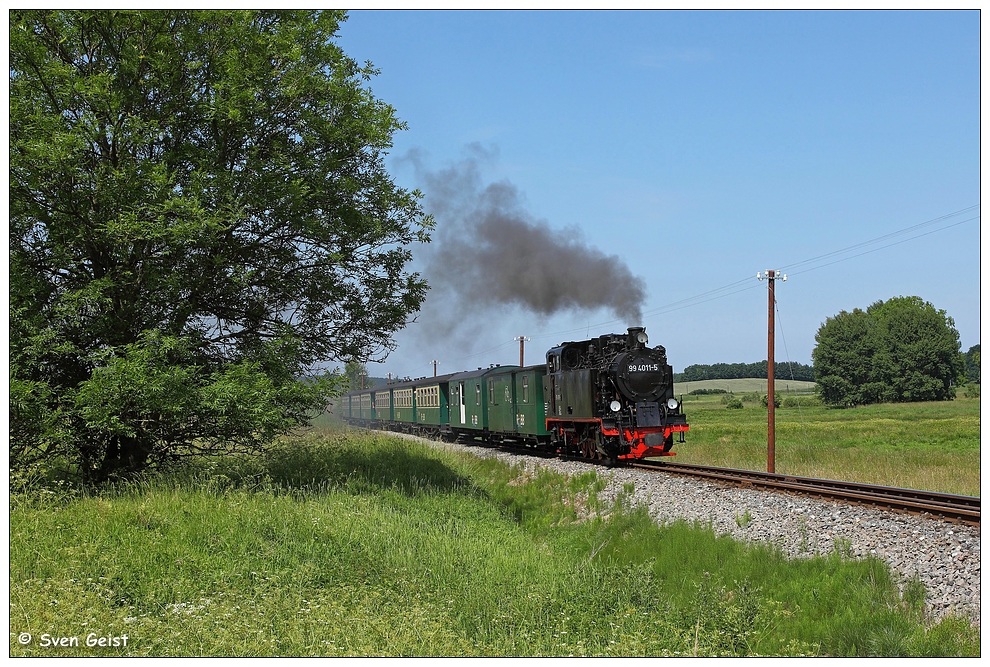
x: 671, y: 403
x: 642, y: 337
x: 616, y: 406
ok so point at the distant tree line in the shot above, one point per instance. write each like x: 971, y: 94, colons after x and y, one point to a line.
x: 781, y: 369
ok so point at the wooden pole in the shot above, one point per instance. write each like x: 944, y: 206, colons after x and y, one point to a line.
x: 771, y: 426
x: 522, y: 342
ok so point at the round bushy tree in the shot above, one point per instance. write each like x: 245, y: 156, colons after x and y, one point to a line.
x: 200, y: 219
x: 972, y: 362
x: 903, y: 349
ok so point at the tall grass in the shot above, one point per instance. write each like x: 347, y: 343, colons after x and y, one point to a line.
x: 932, y: 446
x: 367, y: 545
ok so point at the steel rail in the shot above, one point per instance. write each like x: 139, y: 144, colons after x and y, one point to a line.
x: 964, y: 509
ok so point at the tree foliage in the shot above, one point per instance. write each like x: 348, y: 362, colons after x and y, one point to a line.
x: 357, y: 375
x: 899, y: 350
x: 200, y: 218
x: 777, y: 398
x: 972, y: 363
x: 722, y: 371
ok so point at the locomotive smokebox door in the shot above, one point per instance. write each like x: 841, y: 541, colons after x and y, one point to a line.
x: 642, y: 375
x: 647, y: 414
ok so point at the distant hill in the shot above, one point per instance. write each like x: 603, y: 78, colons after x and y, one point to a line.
x: 781, y: 370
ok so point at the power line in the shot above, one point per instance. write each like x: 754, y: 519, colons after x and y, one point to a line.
x: 890, y: 235
x: 791, y: 368
x: 867, y: 252
x: 454, y: 362
x: 697, y: 296
x: 670, y: 307
x: 699, y: 299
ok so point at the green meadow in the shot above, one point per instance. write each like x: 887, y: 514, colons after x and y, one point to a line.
x: 740, y: 385
x: 932, y: 446
x: 348, y: 544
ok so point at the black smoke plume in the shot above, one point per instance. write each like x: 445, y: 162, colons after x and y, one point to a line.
x: 488, y: 250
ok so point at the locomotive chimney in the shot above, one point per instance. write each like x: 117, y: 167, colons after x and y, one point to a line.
x: 637, y: 337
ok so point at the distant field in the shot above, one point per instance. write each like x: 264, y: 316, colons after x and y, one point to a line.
x: 933, y: 446
x: 743, y: 385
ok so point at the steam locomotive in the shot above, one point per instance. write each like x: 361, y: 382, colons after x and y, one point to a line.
x: 610, y: 398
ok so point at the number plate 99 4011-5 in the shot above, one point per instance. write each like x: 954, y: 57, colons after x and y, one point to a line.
x: 644, y: 368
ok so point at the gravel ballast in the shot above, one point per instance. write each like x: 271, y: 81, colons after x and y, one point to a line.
x: 944, y: 555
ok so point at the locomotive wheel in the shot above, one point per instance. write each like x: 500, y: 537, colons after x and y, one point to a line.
x: 592, y: 445
x: 588, y: 450
x: 609, y: 450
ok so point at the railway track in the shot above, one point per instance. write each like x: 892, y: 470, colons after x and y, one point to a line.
x: 961, y: 509
x: 964, y: 509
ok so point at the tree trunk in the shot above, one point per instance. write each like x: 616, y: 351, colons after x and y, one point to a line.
x: 124, y: 455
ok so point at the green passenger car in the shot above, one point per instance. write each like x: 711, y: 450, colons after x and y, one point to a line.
x: 432, y: 400
x: 367, y: 408
x: 530, y: 414
x: 500, y: 403
x: 383, y: 404
x: 469, y: 403
x: 501, y: 396
x: 515, y: 404
x: 403, y: 404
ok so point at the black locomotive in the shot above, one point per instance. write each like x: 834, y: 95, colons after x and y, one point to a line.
x: 612, y: 397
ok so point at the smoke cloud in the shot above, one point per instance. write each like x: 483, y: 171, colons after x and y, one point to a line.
x: 489, y: 250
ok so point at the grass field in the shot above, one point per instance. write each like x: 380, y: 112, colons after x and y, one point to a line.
x: 932, y: 446
x: 342, y: 544
x: 743, y: 385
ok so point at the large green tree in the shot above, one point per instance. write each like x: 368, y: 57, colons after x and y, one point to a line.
x: 903, y: 349
x: 972, y: 362
x: 200, y: 219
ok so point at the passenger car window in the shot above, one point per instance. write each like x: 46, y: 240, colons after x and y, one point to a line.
x: 525, y: 389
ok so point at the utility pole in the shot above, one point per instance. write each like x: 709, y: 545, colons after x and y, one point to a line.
x: 434, y: 362
x: 522, y: 342
x: 361, y: 375
x: 770, y: 276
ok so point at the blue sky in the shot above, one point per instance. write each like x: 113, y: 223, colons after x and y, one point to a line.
x: 698, y: 148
